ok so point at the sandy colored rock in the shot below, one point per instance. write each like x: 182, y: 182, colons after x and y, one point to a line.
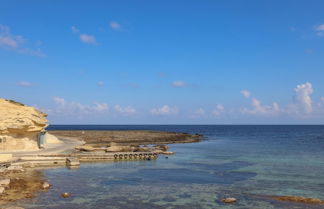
x: 5, y: 157
x: 157, y: 151
x: 4, y: 182
x: 117, y: 148
x: 162, y: 147
x: 2, y: 189
x: 20, y: 126
x: 229, y: 200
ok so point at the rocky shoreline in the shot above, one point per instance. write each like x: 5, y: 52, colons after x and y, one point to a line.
x: 20, y: 179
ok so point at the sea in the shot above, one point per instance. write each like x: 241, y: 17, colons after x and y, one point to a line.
x: 252, y: 163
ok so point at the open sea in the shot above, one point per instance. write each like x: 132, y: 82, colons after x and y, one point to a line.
x: 250, y: 162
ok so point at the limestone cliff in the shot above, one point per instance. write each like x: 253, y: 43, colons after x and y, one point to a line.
x: 20, y: 126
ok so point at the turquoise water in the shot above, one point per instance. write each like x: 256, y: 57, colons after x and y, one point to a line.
x: 250, y: 163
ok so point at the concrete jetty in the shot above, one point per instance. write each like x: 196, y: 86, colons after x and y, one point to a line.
x: 74, y: 159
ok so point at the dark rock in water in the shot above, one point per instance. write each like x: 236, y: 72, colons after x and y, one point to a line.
x: 185, y: 195
x: 169, y: 199
x: 229, y: 200
x: 65, y: 195
x: 299, y: 199
x: 166, y: 157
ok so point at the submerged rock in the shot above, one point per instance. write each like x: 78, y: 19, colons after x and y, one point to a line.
x: 46, y: 185
x: 229, y: 200
x: 299, y: 199
x: 65, y: 195
x: 168, y: 153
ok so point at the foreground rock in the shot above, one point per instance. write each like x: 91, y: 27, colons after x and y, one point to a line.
x: 299, y: 199
x: 20, y: 126
x: 21, y: 185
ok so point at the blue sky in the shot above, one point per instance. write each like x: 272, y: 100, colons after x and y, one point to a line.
x: 165, y: 62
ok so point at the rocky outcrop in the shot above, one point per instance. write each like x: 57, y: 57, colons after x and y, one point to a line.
x: 20, y: 126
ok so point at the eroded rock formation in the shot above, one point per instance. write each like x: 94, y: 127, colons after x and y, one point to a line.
x: 20, y: 126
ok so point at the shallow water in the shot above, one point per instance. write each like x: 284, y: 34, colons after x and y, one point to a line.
x: 250, y: 163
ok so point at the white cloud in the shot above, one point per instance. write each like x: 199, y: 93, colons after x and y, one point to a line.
x: 246, y: 93
x: 75, y: 29
x: 218, y: 110
x: 64, y: 107
x: 115, y: 25
x: 178, y: 84
x: 16, y: 43
x: 100, y: 107
x: 165, y: 110
x: 125, y: 110
x: 59, y: 101
x: 88, y: 39
x: 24, y: 84
x: 200, y: 111
x: 259, y: 109
x: 302, y: 98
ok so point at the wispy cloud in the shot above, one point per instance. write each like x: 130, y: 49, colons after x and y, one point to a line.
x: 218, y: 110
x: 319, y: 30
x: 165, y: 110
x: 177, y: 84
x: 85, y: 38
x: 64, y: 107
x: 115, y: 25
x: 24, y: 84
x: 101, y: 83
x: 259, y: 109
x: 16, y: 43
x: 129, y: 110
x: 200, y: 112
x: 246, y: 93
x: 74, y: 29
x: 88, y: 39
